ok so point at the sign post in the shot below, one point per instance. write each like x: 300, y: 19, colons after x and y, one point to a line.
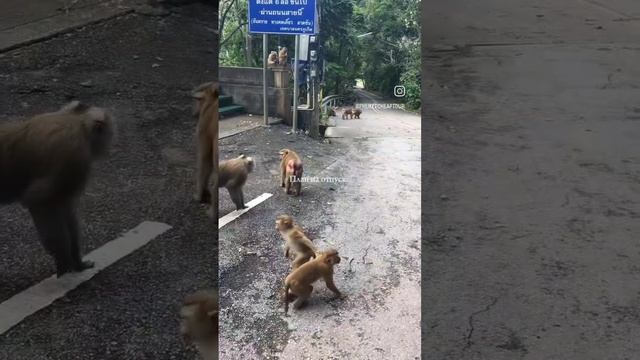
x: 283, y: 17
x: 265, y: 43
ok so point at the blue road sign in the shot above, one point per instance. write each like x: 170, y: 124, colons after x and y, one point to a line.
x: 285, y: 17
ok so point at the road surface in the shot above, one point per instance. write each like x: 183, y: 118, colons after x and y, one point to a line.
x: 370, y: 213
x: 143, y: 68
x: 532, y: 175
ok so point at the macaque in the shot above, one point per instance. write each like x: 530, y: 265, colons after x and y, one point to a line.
x: 272, y: 60
x: 206, y: 109
x: 299, y: 282
x: 291, y: 170
x: 199, y: 322
x: 295, y: 239
x: 45, y: 163
x: 347, y: 114
x: 233, y: 176
x: 282, y: 56
x: 356, y: 113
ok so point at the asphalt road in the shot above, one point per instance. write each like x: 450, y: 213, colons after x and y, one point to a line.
x: 372, y: 216
x: 532, y: 179
x: 142, y: 68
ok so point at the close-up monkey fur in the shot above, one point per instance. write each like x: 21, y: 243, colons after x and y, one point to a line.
x: 45, y: 163
x: 199, y: 322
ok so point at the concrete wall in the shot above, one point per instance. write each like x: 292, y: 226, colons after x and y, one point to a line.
x: 245, y: 85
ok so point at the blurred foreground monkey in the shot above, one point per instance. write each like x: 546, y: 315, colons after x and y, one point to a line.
x: 233, y: 176
x: 45, y: 163
x: 199, y: 322
x: 291, y: 170
x: 347, y: 114
x: 298, y: 283
x: 356, y: 113
x: 206, y: 109
x: 295, y: 239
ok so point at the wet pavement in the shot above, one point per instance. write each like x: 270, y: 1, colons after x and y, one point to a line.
x: 370, y: 213
x: 531, y: 178
x: 142, y: 68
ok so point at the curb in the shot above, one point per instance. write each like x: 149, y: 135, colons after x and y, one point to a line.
x: 48, y: 28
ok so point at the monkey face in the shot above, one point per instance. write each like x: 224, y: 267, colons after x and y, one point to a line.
x: 284, y: 222
x: 283, y: 153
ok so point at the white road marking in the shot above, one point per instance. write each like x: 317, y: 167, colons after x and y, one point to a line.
x: 44, y: 293
x: 237, y: 213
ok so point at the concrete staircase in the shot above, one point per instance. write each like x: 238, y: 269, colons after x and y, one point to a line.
x: 228, y: 108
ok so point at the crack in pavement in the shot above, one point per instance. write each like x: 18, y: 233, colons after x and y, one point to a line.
x: 471, y: 328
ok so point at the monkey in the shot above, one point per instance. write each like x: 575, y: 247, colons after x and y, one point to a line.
x: 233, y: 175
x: 295, y: 239
x: 199, y: 322
x: 331, y: 112
x: 206, y: 108
x: 299, y: 282
x: 347, y: 114
x: 282, y: 56
x: 45, y: 164
x: 272, y: 60
x: 291, y: 169
x: 356, y: 113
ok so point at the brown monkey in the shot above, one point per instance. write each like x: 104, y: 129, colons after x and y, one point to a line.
x: 282, y: 56
x: 233, y: 175
x: 291, y: 169
x: 272, y: 60
x: 206, y: 109
x: 347, y: 114
x: 356, y: 113
x: 45, y: 163
x: 199, y: 322
x: 298, y: 283
x: 295, y: 239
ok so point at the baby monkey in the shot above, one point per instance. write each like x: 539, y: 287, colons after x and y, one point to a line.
x: 298, y: 283
x: 199, y: 322
x: 295, y: 239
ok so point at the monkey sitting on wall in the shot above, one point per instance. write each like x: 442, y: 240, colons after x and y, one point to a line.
x: 272, y: 60
x: 295, y: 240
x: 199, y: 322
x: 282, y: 56
x: 45, y: 163
x: 291, y: 169
x: 233, y: 175
x: 206, y: 108
x: 299, y: 282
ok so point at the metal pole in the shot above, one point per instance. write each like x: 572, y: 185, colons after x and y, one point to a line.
x: 264, y: 78
x: 295, y: 86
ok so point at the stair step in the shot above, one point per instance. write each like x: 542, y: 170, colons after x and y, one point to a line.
x: 225, y: 100
x: 230, y: 109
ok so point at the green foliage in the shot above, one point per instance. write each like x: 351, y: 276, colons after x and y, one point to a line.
x: 377, y: 41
